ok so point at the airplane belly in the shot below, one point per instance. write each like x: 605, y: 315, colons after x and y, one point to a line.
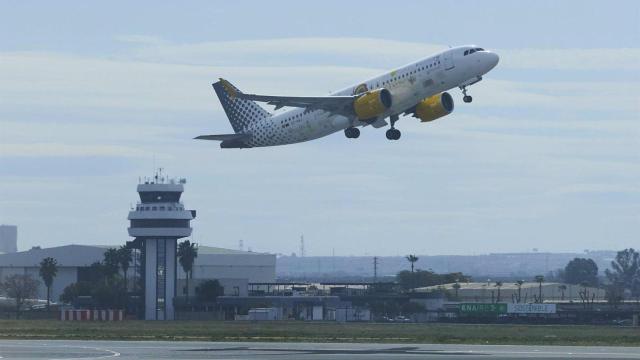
x: 403, y: 98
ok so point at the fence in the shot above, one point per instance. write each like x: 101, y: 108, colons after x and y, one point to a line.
x: 91, y: 315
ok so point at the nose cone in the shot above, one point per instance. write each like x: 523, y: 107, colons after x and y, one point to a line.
x: 493, y: 60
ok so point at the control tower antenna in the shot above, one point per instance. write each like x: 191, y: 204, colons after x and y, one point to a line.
x: 302, y: 245
x: 241, y: 245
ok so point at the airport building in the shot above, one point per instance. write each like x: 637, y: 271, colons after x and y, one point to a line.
x: 512, y: 292
x: 230, y: 267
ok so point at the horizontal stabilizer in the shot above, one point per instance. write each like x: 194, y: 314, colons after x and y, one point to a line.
x: 223, y: 137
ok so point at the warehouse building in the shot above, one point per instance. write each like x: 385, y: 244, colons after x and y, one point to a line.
x: 512, y: 292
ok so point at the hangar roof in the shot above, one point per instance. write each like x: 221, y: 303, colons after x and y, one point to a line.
x: 85, y: 255
x: 210, y: 250
x: 67, y: 255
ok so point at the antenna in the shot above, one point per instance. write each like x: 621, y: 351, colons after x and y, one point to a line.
x: 241, y: 245
x: 302, y: 245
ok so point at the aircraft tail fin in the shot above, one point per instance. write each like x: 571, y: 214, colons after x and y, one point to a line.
x: 240, y: 112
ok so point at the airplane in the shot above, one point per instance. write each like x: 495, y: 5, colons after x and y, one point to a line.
x: 417, y: 89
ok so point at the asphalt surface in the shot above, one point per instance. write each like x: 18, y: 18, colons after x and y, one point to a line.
x: 67, y: 350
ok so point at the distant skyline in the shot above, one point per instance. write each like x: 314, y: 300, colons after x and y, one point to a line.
x: 95, y: 95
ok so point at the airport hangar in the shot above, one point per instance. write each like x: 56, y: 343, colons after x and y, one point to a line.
x: 234, y: 269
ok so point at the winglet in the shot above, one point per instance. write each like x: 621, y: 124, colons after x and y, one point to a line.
x: 230, y: 89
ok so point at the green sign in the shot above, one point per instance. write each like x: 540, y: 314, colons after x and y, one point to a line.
x: 482, y: 308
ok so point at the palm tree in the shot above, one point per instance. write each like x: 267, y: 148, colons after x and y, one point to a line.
x: 539, y: 279
x: 456, y: 287
x: 111, y: 262
x: 498, y: 285
x: 412, y: 259
x: 124, y: 260
x: 48, y: 271
x: 519, y: 285
x: 562, y: 288
x: 187, y: 254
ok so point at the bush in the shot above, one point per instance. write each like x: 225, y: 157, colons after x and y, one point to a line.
x: 209, y: 290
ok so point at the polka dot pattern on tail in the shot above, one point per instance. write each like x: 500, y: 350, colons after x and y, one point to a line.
x: 241, y: 113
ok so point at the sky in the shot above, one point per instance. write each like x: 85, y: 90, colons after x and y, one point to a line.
x: 95, y: 95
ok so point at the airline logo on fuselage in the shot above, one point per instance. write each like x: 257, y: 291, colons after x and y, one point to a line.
x: 362, y: 88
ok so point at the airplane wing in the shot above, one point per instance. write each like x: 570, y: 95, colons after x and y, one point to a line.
x: 342, y: 105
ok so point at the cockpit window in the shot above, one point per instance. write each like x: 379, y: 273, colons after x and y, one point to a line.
x: 471, y: 51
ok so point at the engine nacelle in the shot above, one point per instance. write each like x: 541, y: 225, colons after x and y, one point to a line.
x: 434, y: 107
x: 372, y: 104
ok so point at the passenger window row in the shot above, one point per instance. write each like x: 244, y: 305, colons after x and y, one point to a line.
x: 426, y: 67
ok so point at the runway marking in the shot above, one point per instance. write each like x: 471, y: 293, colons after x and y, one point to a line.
x: 112, y: 353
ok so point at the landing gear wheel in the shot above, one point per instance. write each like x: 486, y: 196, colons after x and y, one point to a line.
x: 393, y: 134
x: 466, y: 98
x: 352, y: 133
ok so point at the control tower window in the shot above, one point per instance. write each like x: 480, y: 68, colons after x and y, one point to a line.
x: 159, y: 196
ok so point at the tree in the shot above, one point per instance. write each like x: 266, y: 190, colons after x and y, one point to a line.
x: 187, y: 254
x: 580, y: 270
x: 498, y: 285
x: 519, y: 285
x: 72, y: 291
x: 124, y: 260
x: 48, y: 271
x: 96, y: 272
x: 412, y: 259
x: 587, y: 300
x: 456, y: 287
x: 625, y: 272
x: 209, y: 290
x: 111, y: 262
x: 539, y: 279
x: 562, y: 288
x: 20, y: 288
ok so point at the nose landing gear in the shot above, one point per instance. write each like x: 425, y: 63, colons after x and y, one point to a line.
x: 393, y: 133
x: 466, y: 98
x: 352, y: 133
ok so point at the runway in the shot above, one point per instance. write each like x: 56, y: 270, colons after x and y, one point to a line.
x: 116, y: 350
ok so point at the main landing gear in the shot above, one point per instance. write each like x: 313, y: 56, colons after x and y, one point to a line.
x: 393, y: 133
x: 352, y: 133
x: 466, y: 98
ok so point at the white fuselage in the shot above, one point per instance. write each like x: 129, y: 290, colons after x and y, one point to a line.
x: 408, y: 85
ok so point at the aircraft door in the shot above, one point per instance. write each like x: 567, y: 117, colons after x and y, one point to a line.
x: 448, y: 60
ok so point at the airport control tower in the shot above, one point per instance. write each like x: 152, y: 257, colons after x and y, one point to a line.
x: 157, y: 222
